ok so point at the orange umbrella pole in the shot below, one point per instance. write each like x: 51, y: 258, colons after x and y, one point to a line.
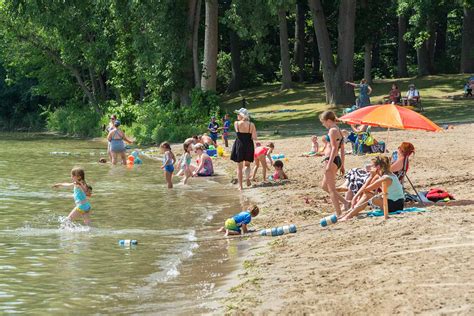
x: 385, y: 199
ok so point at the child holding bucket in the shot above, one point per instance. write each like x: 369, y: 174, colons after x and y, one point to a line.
x: 168, y: 163
x: 81, y: 192
x: 237, y: 224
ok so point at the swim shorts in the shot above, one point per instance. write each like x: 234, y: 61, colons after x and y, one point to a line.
x: 230, y: 224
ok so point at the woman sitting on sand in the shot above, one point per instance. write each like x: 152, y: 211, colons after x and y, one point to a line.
x: 356, y: 177
x: 333, y: 161
x: 380, y: 173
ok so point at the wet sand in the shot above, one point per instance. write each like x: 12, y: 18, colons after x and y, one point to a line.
x: 411, y: 263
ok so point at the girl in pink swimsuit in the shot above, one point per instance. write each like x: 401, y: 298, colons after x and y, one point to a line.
x: 260, y: 156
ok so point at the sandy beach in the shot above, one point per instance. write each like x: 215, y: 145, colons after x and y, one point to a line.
x: 412, y: 263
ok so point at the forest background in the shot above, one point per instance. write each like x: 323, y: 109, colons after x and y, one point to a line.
x: 163, y: 66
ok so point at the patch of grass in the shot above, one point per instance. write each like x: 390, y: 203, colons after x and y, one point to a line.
x: 306, y: 101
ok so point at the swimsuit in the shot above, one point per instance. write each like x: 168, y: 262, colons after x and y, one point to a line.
x: 186, y: 161
x: 337, y: 160
x: 260, y: 151
x: 168, y: 167
x: 208, y: 168
x: 116, y: 144
x: 213, y: 126
x: 80, y: 198
x: 225, y: 131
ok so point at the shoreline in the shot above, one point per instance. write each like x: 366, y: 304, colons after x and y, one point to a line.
x: 411, y: 263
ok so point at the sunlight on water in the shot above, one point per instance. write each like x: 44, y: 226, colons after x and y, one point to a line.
x: 51, y: 265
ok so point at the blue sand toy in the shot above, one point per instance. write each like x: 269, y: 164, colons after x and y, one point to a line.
x: 128, y: 242
x: 277, y: 231
x: 328, y: 220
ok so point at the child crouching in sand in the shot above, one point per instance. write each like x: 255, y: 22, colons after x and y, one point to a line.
x: 279, y: 173
x: 237, y: 224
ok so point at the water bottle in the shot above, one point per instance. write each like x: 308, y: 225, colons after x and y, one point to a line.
x: 328, y: 220
x: 277, y: 231
x: 394, y: 156
x: 128, y: 242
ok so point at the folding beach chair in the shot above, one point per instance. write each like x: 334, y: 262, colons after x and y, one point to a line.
x: 402, y: 174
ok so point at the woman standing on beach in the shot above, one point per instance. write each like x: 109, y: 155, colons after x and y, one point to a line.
x: 364, y: 91
x: 243, y: 148
x: 333, y: 161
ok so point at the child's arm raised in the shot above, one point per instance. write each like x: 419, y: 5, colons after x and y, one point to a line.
x: 63, y: 185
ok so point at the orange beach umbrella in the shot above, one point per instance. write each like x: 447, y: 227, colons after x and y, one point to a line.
x: 390, y: 116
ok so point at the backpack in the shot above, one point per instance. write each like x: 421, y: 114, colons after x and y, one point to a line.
x: 437, y: 194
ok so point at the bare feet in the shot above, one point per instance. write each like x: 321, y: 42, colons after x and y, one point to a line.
x: 221, y: 230
x: 249, y: 183
x: 226, y: 232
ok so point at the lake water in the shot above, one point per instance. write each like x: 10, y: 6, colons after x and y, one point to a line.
x: 48, y: 268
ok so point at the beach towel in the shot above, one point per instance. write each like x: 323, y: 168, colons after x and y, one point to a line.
x: 379, y: 212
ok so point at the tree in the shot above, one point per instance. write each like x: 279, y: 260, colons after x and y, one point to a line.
x: 300, y: 24
x: 209, y: 71
x: 402, y: 70
x: 467, y: 49
x: 335, y: 73
x: 286, y: 82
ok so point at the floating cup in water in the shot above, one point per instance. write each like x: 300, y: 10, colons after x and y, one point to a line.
x: 328, y: 220
x: 128, y: 242
x: 277, y: 231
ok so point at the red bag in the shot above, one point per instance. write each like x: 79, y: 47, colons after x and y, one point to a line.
x: 437, y: 194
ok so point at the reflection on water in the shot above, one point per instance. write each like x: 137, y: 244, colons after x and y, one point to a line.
x: 46, y: 266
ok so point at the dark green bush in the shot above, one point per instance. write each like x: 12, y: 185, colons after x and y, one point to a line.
x: 74, y: 119
x: 157, y: 122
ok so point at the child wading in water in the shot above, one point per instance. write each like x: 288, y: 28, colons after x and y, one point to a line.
x: 237, y: 224
x: 80, y: 193
x: 168, y: 163
x: 185, y: 161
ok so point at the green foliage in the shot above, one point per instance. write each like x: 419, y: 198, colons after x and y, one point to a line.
x: 157, y: 121
x: 75, y: 120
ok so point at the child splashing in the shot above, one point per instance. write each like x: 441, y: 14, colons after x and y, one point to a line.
x: 168, y: 163
x: 81, y: 192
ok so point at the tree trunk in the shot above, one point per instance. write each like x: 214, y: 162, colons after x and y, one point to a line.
x: 423, y: 58
x: 300, y: 39
x: 196, y: 70
x: 440, y: 46
x: 209, y: 71
x: 315, y: 60
x: 188, y: 70
x: 284, y: 51
x: 430, y: 45
x: 335, y: 75
x: 368, y: 62
x: 467, y: 48
x: 402, y: 47
x: 236, y: 79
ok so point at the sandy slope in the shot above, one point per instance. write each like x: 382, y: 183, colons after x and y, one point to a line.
x: 412, y: 263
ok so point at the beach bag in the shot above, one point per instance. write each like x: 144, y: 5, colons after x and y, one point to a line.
x: 369, y: 140
x: 437, y: 194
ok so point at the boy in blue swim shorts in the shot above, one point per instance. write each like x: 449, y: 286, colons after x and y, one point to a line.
x: 225, y: 130
x: 237, y: 224
x: 213, y: 127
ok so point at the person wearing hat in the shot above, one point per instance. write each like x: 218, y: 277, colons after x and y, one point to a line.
x: 213, y: 127
x: 243, y: 148
x: 413, y: 95
x: 116, y: 139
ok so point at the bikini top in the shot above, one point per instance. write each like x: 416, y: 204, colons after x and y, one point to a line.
x: 340, y: 141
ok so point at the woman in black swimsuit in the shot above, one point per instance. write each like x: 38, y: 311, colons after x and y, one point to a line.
x: 243, y: 148
x: 333, y: 161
